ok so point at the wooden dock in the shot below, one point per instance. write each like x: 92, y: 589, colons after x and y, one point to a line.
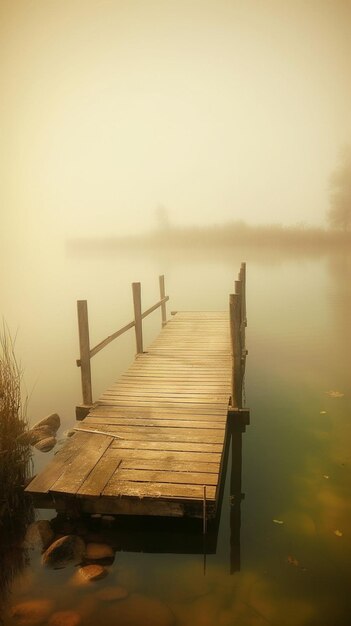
x: 153, y: 443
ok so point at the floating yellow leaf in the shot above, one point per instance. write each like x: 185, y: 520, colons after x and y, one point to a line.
x: 292, y: 561
x: 322, y: 412
x: 335, y: 394
x: 338, y: 533
x: 278, y: 521
x: 325, y: 476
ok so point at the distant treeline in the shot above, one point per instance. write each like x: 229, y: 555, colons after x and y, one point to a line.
x: 224, y: 234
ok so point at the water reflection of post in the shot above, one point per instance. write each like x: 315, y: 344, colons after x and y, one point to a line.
x: 235, y: 495
x: 238, y: 416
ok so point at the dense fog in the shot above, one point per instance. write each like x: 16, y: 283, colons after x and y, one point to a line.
x: 210, y: 111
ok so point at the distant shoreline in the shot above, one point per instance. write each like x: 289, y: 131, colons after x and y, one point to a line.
x: 223, y: 235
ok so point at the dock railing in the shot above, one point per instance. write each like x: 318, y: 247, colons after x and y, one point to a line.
x: 238, y: 323
x: 87, y: 353
x: 237, y: 320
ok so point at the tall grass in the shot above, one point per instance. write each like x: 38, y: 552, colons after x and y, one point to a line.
x: 15, y: 464
x: 14, y: 458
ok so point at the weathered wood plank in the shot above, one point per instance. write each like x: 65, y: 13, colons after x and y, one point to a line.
x: 148, y: 404
x: 167, y: 456
x: 182, y: 383
x: 96, y: 481
x: 165, y: 477
x: 96, y: 422
x: 79, y: 467
x: 191, y: 412
x: 170, y: 465
x: 137, y: 444
x: 153, y: 384
x: 192, y: 397
x: 133, y: 506
x: 159, y: 434
x: 43, y: 481
x: 117, y: 488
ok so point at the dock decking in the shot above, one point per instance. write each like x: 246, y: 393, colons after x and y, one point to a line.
x: 153, y: 444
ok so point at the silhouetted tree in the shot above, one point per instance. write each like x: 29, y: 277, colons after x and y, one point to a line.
x: 339, y: 214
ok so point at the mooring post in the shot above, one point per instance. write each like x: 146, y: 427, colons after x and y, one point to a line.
x: 235, y: 318
x: 204, y: 513
x: 163, y: 295
x: 137, y: 317
x: 242, y: 277
x: 239, y: 291
x: 84, y: 345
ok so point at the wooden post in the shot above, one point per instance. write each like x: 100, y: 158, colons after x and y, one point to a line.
x: 235, y: 315
x: 137, y: 317
x: 243, y: 291
x: 84, y: 344
x: 204, y: 513
x: 239, y: 291
x: 163, y: 295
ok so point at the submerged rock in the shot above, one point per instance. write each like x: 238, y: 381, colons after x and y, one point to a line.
x: 112, y: 594
x: 90, y: 573
x: 99, y: 551
x: 45, y: 445
x: 139, y: 609
x: 31, y: 612
x: 39, y: 535
x: 66, y: 550
x: 65, y: 618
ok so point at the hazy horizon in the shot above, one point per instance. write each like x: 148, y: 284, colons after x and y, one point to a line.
x: 217, y: 111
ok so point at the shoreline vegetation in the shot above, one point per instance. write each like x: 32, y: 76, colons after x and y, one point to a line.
x: 14, y: 457
x: 15, y: 465
x: 224, y: 235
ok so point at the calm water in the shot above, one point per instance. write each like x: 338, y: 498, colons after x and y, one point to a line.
x: 296, y: 454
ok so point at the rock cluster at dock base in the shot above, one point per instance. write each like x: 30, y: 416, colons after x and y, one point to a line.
x: 70, y: 549
x: 43, y: 434
x: 119, y: 602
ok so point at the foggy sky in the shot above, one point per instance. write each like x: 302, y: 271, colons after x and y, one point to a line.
x: 214, y: 109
